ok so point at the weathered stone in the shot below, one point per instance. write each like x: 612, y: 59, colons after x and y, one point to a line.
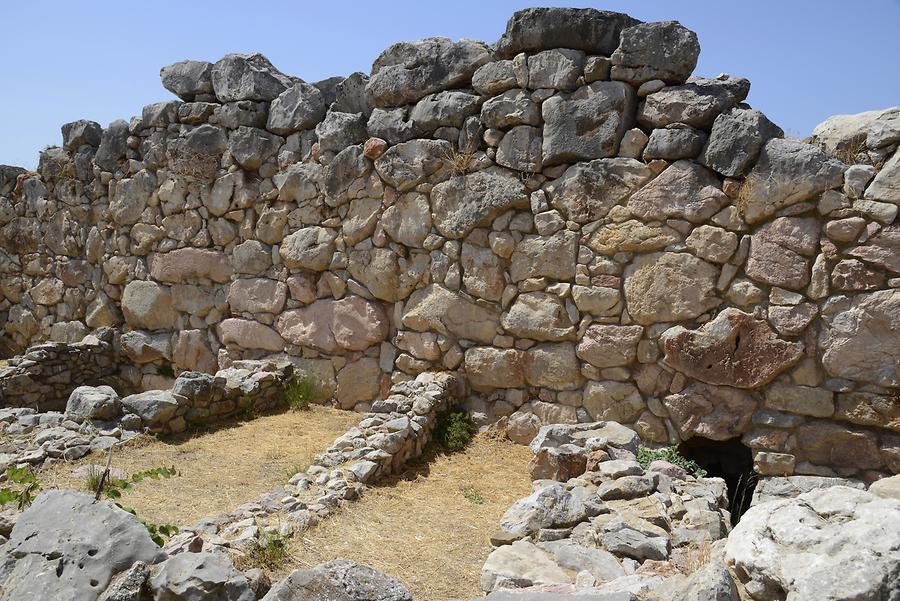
x: 68, y: 546
x: 444, y: 109
x: 435, y: 308
x: 777, y: 252
x: 387, y: 275
x: 473, y: 200
x: 631, y: 236
x: 886, y: 185
x: 609, y: 345
x: 736, y: 139
x: 257, y: 295
x: 520, y: 564
x: 509, y: 109
x: 734, y: 349
x: 855, y: 540
x: 587, y: 29
x: 131, y: 197
x: 494, y: 78
x: 869, y: 409
x: 786, y: 173
x: 696, y: 103
x: 190, y: 264
x: 339, y: 130
x: 249, y: 334
x: 203, y: 576
x: 673, y: 143
x: 685, y: 190
x: 147, y: 305
x: 80, y: 133
x: 93, y: 402
x: 247, y: 77
x: 648, y: 51
x: 338, y: 580
x: 308, y: 248
x: 154, y: 407
x: 488, y: 368
x: 587, y: 191
x: 803, y: 400
x: 360, y: 380
x: 552, y: 365
x: 520, y: 149
x: 406, y: 165
x: 301, y: 106
x: 551, y: 506
x: 860, y: 343
x: 352, y: 323
x: 408, y: 71
x: 558, y: 463
x: 839, y: 445
x: 714, y: 412
x: 557, y: 69
x: 545, y: 256
x: 613, y: 401
x: 483, y: 272
x: 143, y: 347
x: 664, y: 287
x: 188, y: 79
x: 192, y: 353
x: 588, y: 123
x: 538, y: 316
x: 881, y: 250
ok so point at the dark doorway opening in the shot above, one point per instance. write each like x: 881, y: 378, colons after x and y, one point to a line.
x: 727, y: 459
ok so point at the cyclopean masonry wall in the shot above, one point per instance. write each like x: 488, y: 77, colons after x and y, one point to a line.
x: 584, y: 233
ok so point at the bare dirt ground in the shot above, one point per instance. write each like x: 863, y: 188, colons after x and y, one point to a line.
x: 431, y: 525
x: 218, y: 469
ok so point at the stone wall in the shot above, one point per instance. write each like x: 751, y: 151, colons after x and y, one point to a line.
x: 47, y: 373
x: 584, y: 233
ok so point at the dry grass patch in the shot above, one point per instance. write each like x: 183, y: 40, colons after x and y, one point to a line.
x: 217, y: 470
x: 430, y: 527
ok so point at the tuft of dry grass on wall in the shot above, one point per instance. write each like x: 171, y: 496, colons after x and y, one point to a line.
x: 459, y: 161
x: 431, y: 525
x: 218, y: 470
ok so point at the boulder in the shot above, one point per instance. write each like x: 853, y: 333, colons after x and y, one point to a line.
x: 386, y: 274
x: 205, y: 576
x: 685, y: 190
x: 249, y: 334
x: 713, y: 412
x: 437, y: 309
x: 538, y: 316
x: 131, y: 197
x: 552, y: 365
x: 833, y: 543
x: 408, y: 164
x: 886, y: 185
x: 551, y: 506
x: 190, y: 264
x: 588, y: 123
x: 787, y: 172
x: 251, y: 146
x: 696, y: 103
x: 712, y: 582
x: 843, y: 134
x: 535, y: 29
x: 886, y: 488
x: 444, y: 109
x: 632, y: 236
x: 257, y: 295
x: 520, y: 149
x: 93, y: 402
x: 247, y: 77
x: 509, y: 109
x: 664, y: 287
x: 339, y: 130
x: 188, y: 79
x: 301, y: 106
x: 488, y: 368
x: 80, y: 133
x: 308, y: 248
x: 519, y: 565
x: 736, y: 140
x: 465, y: 202
x: 781, y: 252
x: 358, y: 381
x: 144, y: 347
x: 778, y: 488
x: 667, y: 51
x: 673, y: 143
x: 113, y: 145
x: 734, y: 349
x: 147, y: 305
x: 557, y: 69
x: 614, y: 401
x: 587, y: 191
x: 68, y: 546
x: 545, y: 256
x: 352, y: 323
x: 408, y: 71
x: 861, y: 343
x: 338, y: 580
x: 609, y: 345
x: 155, y: 407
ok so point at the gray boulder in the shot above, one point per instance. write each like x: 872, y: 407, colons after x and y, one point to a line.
x: 712, y: 582
x: 93, y: 402
x: 511, y: 108
x: 339, y: 580
x: 408, y: 164
x: 674, y: 143
x: 788, y: 172
x: 129, y: 585
x: 154, y: 407
x: 301, y: 106
x: 696, y: 103
x: 232, y: 115
x: 206, y: 139
x: 351, y: 97
x: 667, y: 51
x: 188, y: 79
x: 587, y: 124
x: 199, y: 577
x: 391, y: 125
x: 465, y: 202
x: 549, y: 507
x: 736, y: 139
x: 68, y: 546
x: 558, y: 69
x: 587, y: 29
x: 340, y: 130
x: 251, y: 147
x: 832, y: 543
x: 247, y: 77
x: 444, y: 109
x: 521, y: 149
x: 80, y: 133
x: 113, y: 145
x: 408, y: 71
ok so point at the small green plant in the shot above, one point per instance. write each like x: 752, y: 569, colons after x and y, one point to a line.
x: 24, y: 490
x: 93, y: 478
x: 158, y: 532
x: 113, y: 488
x: 299, y: 391
x: 472, y: 495
x: 647, y: 456
x: 454, y: 429
x: 269, y: 551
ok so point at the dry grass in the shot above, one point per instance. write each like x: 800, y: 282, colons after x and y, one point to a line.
x: 459, y: 161
x: 427, y: 526
x: 218, y: 470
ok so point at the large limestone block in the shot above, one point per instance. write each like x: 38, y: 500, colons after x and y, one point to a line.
x: 843, y: 134
x: 465, y: 202
x: 882, y: 249
x: 437, y: 309
x: 833, y: 543
x: 301, y: 106
x: 736, y: 139
x: 338, y: 580
x: 663, y: 287
x: 187, y: 79
x: 781, y: 252
x: 257, y: 295
x: 588, y: 123
x: 408, y: 71
x: 734, y: 349
x: 613, y: 401
x: 838, y: 445
x: 488, y: 368
x: 192, y: 353
x: 863, y: 342
x: 408, y: 221
x: 386, y: 274
x: 587, y: 191
x: 190, y: 264
x: 551, y: 506
x: 247, y: 77
x: 131, y: 197
x: 886, y: 185
x: 249, y: 334
x: 148, y: 306
x: 545, y: 256
x: 143, y: 347
x: 696, y: 103
x: 632, y: 236
x: 787, y: 172
x: 93, y: 402
x: 483, y: 272
x: 553, y: 365
x: 520, y: 564
x: 351, y: 323
x: 588, y: 29
x: 406, y: 165
x: 538, y: 316
x: 685, y: 190
x: 308, y: 248
x: 359, y: 381
x: 713, y: 412
x: 68, y: 546
x: 609, y: 345
x: 154, y: 407
x: 182, y: 577
x: 648, y: 51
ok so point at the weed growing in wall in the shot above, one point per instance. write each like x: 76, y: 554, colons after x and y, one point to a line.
x: 453, y: 430
x: 647, y: 456
x: 299, y: 391
x: 269, y: 551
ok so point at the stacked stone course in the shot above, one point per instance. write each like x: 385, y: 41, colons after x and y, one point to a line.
x: 567, y: 219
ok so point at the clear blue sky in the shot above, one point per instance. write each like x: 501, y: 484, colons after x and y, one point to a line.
x: 64, y: 59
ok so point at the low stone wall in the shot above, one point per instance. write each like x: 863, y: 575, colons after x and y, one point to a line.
x: 47, y: 373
